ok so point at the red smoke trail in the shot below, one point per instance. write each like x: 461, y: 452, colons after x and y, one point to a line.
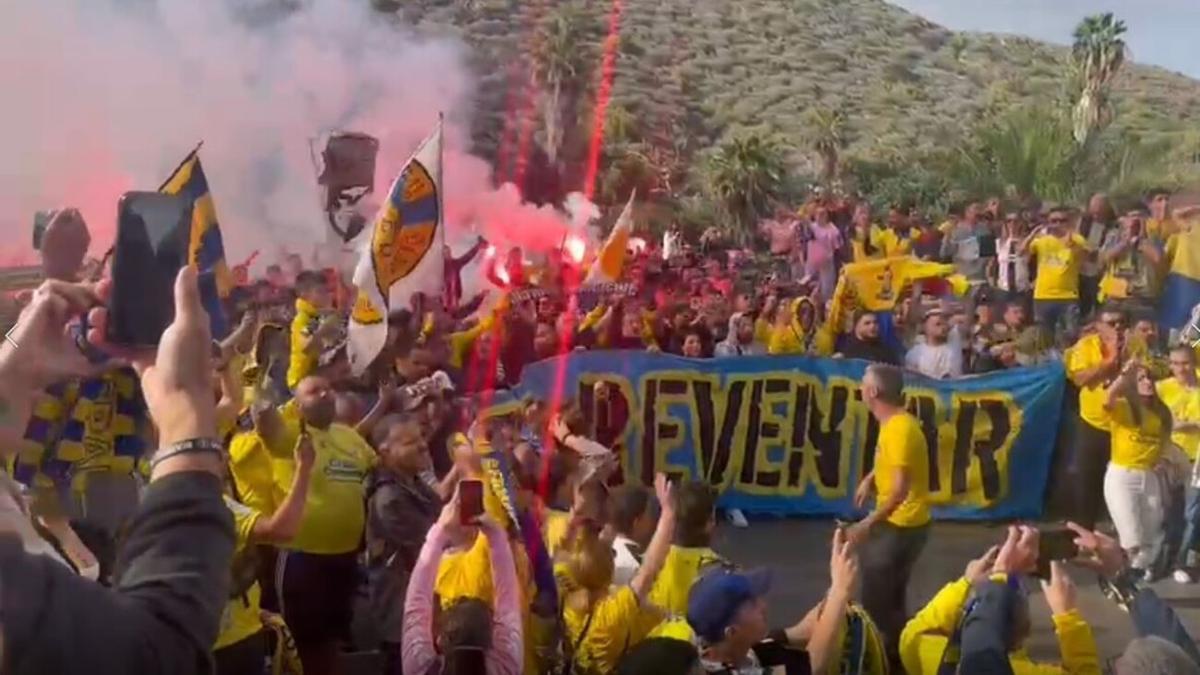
x: 603, y: 95
x: 521, y: 102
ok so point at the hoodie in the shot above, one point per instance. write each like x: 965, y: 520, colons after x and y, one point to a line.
x: 730, y: 346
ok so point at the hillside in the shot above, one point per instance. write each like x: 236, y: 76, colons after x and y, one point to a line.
x: 692, y: 71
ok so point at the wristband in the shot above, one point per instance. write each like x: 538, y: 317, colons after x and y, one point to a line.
x: 188, y: 447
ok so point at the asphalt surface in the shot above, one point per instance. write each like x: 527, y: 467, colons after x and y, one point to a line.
x: 798, y: 552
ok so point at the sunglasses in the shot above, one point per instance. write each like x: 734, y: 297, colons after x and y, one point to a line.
x: 1057, y: 220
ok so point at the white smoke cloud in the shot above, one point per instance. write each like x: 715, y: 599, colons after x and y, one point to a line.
x: 104, y: 96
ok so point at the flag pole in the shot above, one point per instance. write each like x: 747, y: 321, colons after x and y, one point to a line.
x: 440, y: 180
x: 186, y: 159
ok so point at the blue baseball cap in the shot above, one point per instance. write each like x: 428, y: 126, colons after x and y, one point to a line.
x: 717, y: 596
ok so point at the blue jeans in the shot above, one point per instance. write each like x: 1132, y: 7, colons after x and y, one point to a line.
x: 1191, y: 527
x: 1059, y: 318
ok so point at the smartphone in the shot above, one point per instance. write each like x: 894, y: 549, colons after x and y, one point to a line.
x: 1056, y: 544
x: 151, y: 247
x: 470, y: 501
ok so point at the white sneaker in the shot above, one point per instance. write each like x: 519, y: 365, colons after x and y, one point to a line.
x: 1182, y: 577
x: 737, y: 518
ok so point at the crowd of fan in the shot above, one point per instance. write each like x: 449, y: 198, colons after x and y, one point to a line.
x: 338, y: 482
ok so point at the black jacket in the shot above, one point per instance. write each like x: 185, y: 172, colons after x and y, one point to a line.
x: 163, y: 614
x: 400, y: 511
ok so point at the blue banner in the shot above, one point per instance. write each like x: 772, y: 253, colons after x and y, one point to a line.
x: 789, y: 434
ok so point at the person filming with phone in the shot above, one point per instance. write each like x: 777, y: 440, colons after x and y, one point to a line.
x: 162, y: 613
x: 469, y: 637
x: 1131, y: 260
x: 317, y: 571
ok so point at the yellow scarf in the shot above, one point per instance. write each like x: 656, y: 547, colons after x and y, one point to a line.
x: 81, y: 427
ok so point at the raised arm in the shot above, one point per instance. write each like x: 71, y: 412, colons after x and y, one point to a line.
x: 824, y: 648
x: 419, y: 651
x: 507, y: 639
x: 283, y: 525
x: 463, y: 260
x: 1119, y: 385
x: 660, y: 543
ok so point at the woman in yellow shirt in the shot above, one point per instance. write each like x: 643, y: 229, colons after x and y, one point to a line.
x: 1140, y: 426
x: 602, y: 620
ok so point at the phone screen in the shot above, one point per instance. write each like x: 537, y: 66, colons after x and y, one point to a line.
x: 470, y: 501
x: 151, y: 248
x: 1053, y: 545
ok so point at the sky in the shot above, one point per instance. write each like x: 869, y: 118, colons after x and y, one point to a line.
x: 1161, y: 32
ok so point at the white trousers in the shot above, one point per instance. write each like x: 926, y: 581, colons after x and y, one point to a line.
x: 1135, y: 502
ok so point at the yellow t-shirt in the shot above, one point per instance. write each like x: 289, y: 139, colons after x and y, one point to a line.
x: 253, y: 474
x: 1162, y: 229
x: 902, y: 445
x: 554, y: 529
x: 1135, y: 445
x: 240, y: 619
x: 891, y: 244
x: 681, y: 568
x: 1057, y: 267
x: 334, y: 514
x: 1184, y: 403
x: 304, y: 325
x: 468, y: 574
x: 608, y: 636
x: 1085, y: 355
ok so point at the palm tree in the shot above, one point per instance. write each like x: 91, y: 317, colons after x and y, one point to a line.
x: 958, y: 45
x: 1097, y: 56
x: 826, y: 137
x: 744, y: 175
x: 557, y: 64
x: 1026, y: 153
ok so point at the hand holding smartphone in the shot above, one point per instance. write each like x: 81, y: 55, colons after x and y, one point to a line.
x: 1056, y: 544
x: 470, y: 501
x: 152, y: 246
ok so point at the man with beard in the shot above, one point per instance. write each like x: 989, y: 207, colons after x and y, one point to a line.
x: 318, y: 569
x: 865, y: 343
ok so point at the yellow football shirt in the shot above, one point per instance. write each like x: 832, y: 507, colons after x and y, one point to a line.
x: 609, y: 634
x: 681, y: 568
x: 240, y: 619
x: 334, y: 513
x: 554, y: 529
x: 1136, y: 444
x: 1057, y: 267
x: 891, y: 243
x: 902, y: 445
x: 1086, y: 354
x: 253, y: 474
x: 1184, y: 403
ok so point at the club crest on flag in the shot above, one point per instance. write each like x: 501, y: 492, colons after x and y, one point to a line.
x: 404, y: 254
x: 364, y: 310
x: 406, y: 226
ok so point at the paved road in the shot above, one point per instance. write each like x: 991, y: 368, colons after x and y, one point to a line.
x: 798, y: 552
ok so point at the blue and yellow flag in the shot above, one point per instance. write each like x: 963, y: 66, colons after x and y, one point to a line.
x: 1181, y: 292
x: 205, y: 248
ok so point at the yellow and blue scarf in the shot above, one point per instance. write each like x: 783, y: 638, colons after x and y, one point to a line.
x: 83, y: 426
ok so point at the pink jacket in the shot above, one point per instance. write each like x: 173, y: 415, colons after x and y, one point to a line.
x: 506, y: 655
